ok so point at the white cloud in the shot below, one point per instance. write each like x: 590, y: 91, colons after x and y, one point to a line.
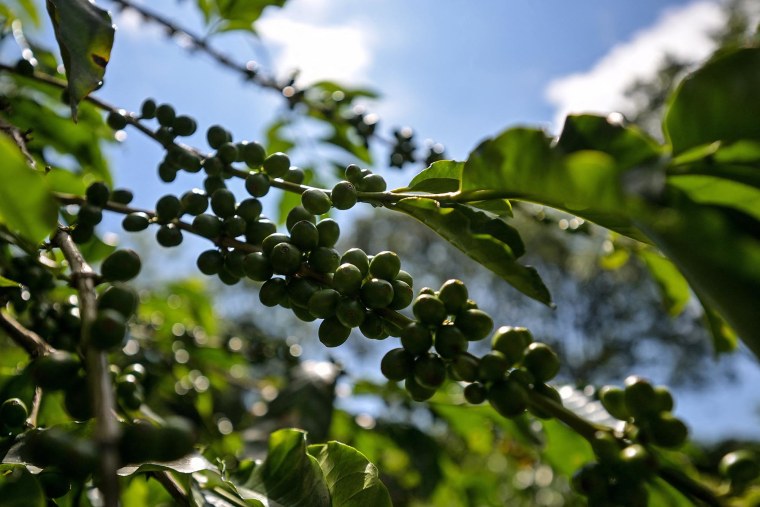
x: 682, y: 32
x: 340, y: 52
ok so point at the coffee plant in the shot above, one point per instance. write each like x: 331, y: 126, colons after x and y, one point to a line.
x: 110, y: 395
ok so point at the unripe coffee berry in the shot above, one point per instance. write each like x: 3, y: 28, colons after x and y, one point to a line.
x: 316, y: 201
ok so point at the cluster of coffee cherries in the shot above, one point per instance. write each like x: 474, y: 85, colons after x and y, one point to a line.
x: 625, y: 461
x: 90, y: 213
x: 403, y: 147
x: 446, y: 321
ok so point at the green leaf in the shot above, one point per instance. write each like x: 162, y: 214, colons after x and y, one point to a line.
x: 26, y: 205
x: 289, y: 475
x: 441, y: 176
x: 351, y: 478
x: 19, y: 488
x: 342, y: 138
x: 186, y: 465
x: 673, y: 287
x: 724, y: 338
x: 482, y: 239
x: 718, y: 252
x: 349, y: 94
x: 524, y: 164
x: 236, y: 14
x: 718, y: 102
x: 720, y: 191
x: 85, y: 36
x: 565, y: 449
x: 276, y: 141
x: 626, y: 144
x: 5, y: 282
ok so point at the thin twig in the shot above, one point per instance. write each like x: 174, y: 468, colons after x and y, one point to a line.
x: 99, y: 377
x: 172, y: 487
x: 27, y: 339
x: 31, y: 421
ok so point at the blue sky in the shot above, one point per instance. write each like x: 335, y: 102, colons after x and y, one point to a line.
x: 456, y: 71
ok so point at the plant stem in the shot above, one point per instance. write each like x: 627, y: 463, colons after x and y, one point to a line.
x: 27, y: 339
x: 99, y: 376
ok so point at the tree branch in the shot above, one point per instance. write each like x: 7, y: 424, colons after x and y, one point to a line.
x: 99, y: 377
x: 27, y: 339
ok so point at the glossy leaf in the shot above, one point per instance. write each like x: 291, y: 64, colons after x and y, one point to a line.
x: 698, y: 239
x: 85, y: 36
x: 232, y: 15
x: 185, y: 465
x: 5, y: 282
x: 481, y: 239
x: 523, y: 164
x: 26, y: 205
x: 718, y: 102
x: 441, y: 176
x: 351, y: 478
x: 289, y: 475
x: 673, y: 287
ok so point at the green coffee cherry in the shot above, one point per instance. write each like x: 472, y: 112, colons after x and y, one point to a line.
x: 257, y: 231
x: 285, y: 259
x: 129, y: 391
x: 253, y: 155
x: 329, y: 232
x: 343, y: 195
x: 273, y: 292
x: 121, y: 298
x: 492, y: 366
x: 97, y: 194
x: 258, y: 267
x: 667, y: 430
x: 176, y: 438
x: 213, y: 166
x: 207, y: 226
x: 397, y: 364
x: 89, y: 214
x: 405, y: 277
x: 194, y: 202
x: 613, y: 401
x: 507, y: 397
x: 416, y: 338
x: 184, y: 126
x: 277, y: 165
x: 332, y: 333
x: 454, y: 295
x: 358, y: 258
x: 227, y: 277
x: 324, y: 303
x: 108, y: 330
x: 121, y: 196
x: 429, y: 370
x: 297, y: 214
x: 257, y: 184
x: 324, y: 260
x: 305, y: 235
x: 228, y: 152
x: 512, y: 342
x: 403, y: 295
x: 372, y: 183
x: 372, y: 327
x: 210, y: 262
x: 347, y: 279
x: 217, y: 136
x: 116, y: 120
x: 165, y: 115
x: 740, y: 467
x: 541, y: 361
x: 76, y: 400
x: 168, y: 208
x: 249, y: 209
x: 273, y: 240
x: 148, y: 109
x: 449, y: 341
x: 376, y: 293
x: 636, y: 461
x: 353, y: 173
x: 591, y: 480
x: 664, y: 399
x: 465, y: 367
x: 385, y: 265
x: 350, y: 312
x: 640, y: 397
x: 315, y: 201
x: 169, y: 235
x: 429, y: 310
x: 233, y: 227
x: 13, y: 414
x: 474, y: 324
x: 234, y: 262
x: 135, y: 222
x: 300, y: 291
x: 475, y: 393
x: 121, y: 265
x: 295, y: 175
x: 223, y: 203
x: 416, y: 391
